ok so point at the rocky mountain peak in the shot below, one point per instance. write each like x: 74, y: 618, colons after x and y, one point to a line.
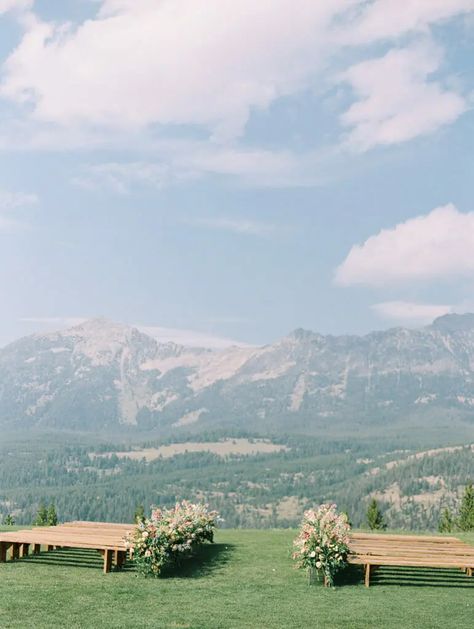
x: 101, y: 373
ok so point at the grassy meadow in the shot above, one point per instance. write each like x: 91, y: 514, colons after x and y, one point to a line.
x: 246, y: 579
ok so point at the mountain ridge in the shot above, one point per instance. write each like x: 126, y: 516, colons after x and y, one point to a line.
x: 101, y: 374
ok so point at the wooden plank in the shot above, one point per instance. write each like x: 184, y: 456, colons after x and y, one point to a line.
x: 396, y: 561
x: 56, y: 540
x: 420, y: 538
x: 86, y: 524
x: 107, y: 538
x: 412, y: 551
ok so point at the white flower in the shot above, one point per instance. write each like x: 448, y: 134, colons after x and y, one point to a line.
x: 313, y: 554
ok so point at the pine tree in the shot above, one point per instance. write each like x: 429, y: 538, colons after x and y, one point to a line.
x: 41, y: 516
x: 466, y: 511
x: 9, y: 520
x: 349, y: 522
x: 375, y: 517
x: 139, y: 514
x: 446, y: 521
x: 52, y: 516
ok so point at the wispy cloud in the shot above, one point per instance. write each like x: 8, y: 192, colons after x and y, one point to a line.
x: 191, y: 338
x: 180, y: 336
x: 121, y: 177
x: 178, y: 161
x: 11, y: 201
x: 395, y: 100
x: 237, y: 226
x: 411, y: 312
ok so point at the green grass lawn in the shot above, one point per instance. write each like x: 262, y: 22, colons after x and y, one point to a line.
x: 246, y: 579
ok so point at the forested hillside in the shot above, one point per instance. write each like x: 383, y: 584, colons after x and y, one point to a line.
x: 86, y: 481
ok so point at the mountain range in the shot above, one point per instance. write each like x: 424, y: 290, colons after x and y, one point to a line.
x: 102, y: 375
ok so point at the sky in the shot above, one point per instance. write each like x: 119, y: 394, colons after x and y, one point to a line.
x: 224, y: 172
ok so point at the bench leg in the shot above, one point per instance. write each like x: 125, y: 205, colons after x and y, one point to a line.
x: 25, y: 550
x: 469, y: 572
x: 367, y: 575
x: 123, y: 558
x: 3, y: 552
x: 15, y: 551
x: 107, y: 560
x: 37, y: 549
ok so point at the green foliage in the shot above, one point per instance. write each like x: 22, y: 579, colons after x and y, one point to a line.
x: 349, y: 521
x: 41, y: 516
x: 139, y: 515
x: 9, y: 520
x: 52, y: 516
x: 466, y: 511
x: 446, y: 522
x: 375, y: 518
x: 264, y: 490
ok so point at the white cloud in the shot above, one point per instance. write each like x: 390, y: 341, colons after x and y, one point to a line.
x: 435, y: 246
x: 10, y: 201
x: 387, y: 19
x: 145, y: 62
x: 411, y: 312
x: 190, y: 338
x: 140, y: 65
x: 13, y: 5
x: 13, y: 200
x: 46, y: 323
x: 121, y: 177
x: 396, y: 102
x: 238, y: 226
x: 184, y: 161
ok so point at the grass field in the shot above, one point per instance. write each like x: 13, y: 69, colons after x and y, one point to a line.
x: 246, y: 579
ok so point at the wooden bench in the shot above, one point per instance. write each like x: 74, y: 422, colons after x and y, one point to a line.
x: 108, y: 539
x: 372, y: 550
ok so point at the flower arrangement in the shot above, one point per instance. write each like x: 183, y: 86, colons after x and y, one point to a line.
x: 322, y: 543
x: 170, y: 534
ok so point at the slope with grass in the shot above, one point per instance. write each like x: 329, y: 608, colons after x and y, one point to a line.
x: 245, y: 580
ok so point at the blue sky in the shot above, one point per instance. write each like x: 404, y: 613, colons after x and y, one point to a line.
x: 226, y: 171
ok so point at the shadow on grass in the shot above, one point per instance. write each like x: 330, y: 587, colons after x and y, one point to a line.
x: 406, y: 576
x: 65, y: 557
x: 203, y: 562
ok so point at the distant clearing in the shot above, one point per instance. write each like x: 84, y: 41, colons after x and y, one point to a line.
x: 222, y: 448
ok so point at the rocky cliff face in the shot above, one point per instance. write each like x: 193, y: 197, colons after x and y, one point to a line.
x: 101, y: 374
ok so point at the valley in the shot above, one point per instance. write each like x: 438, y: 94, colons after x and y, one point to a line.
x: 91, y: 479
x: 100, y: 418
